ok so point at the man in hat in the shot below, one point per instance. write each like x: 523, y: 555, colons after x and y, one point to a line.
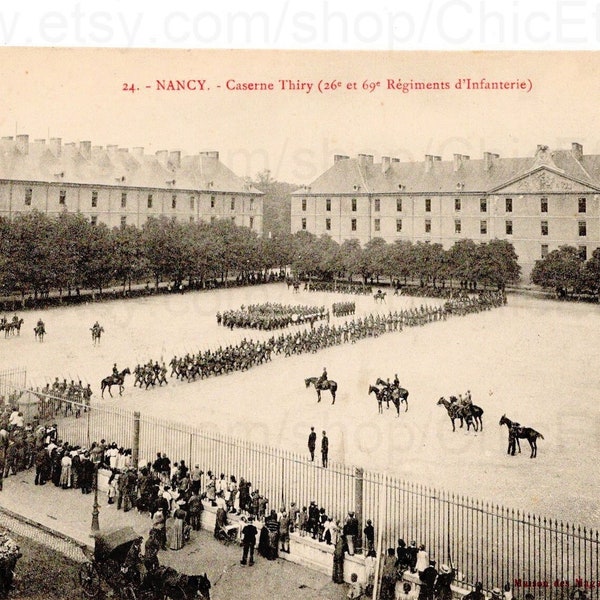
x: 444, y: 580
x: 351, y: 532
x: 477, y: 593
x: 324, y: 449
x: 312, y: 443
x: 496, y: 593
x: 248, y: 541
x: 428, y: 577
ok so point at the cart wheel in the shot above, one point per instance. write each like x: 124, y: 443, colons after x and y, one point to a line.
x: 89, y: 580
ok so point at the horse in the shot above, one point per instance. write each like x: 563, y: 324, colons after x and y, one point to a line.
x: 96, y: 333
x: 379, y: 295
x: 379, y: 395
x: 40, y: 331
x: 328, y: 384
x: 111, y: 380
x: 472, y: 410
x: 514, y: 429
x: 396, y: 394
x: 456, y: 412
x: 172, y: 585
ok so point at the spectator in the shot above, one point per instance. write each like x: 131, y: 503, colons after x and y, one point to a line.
x: 477, y: 593
x: 422, y: 561
x: 338, y: 561
x: 411, y: 555
x: 404, y: 591
x: 369, y: 532
x: 442, y: 589
x: 284, y: 532
x: 325, y: 449
x: 388, y: 576
x: 351, y: 532
x: 249, y: 541
x: 355, y: 591
x: 428, y: 578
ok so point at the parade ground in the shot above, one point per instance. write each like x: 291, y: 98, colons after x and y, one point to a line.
x: 533, y: 360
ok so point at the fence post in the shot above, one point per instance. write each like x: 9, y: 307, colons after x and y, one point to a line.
x: 135, y: 446
x: 358, y: 499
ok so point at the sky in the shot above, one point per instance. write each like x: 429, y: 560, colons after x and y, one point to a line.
x: 78, y: 94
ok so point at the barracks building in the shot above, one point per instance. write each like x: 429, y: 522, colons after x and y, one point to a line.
x: 119, y: 187
x: 538, y: 203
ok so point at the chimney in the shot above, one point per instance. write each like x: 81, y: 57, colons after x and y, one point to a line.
x: 459, y: 159
x: 488, y: 160
x: 211, y: 154
x: 429, y: 160
x: 138, y: 151
x: 338, y: 157
x: 123, y: 150
x: 111, y: 149
x: 162, y: 156
x: 55, y: 146
x: 395, y: 160
x: 385, y: 164
x: 22, y: 144
x: 365, y: 159
x: 577, y: 151
x: 85, y: 149
x: 96, y: 151
x: 7, y: 138
x: 175, y: 159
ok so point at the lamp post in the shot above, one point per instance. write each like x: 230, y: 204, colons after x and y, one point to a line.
x: 95, y: 509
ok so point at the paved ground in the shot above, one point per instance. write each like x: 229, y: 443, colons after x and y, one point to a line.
x: 69, y: 512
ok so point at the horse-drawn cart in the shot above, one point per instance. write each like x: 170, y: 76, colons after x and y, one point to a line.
x: 110, y: 567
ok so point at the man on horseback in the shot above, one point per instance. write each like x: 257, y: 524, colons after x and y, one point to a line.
x: 115, y: 371
x: 323, y: 377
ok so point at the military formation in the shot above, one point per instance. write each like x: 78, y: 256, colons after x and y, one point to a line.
x: 150, y: 374
x: 341, y: 288
x: 271, y: 315
x: 343, y: 309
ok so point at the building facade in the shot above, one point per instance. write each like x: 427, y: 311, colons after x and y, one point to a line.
x: 117, y: 187
x: 537, y: 203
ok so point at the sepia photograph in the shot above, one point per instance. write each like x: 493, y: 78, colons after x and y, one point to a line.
x: 299, y: 324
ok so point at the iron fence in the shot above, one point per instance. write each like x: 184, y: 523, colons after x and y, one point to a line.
x: 485, y: 542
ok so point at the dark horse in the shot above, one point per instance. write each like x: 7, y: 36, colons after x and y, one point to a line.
x: 40, y: 331
x: 516, y: 432
x: 172, y: 585
x: 328, y: 384
x: 394, y: 393
x: 473, y: 415
x: 111, y: 380
x: 379, y: 296
x: 97, y: 331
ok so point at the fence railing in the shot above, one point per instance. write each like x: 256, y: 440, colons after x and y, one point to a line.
x: 485, y: 542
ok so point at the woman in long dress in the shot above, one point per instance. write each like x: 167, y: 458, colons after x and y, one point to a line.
x: 175, y: 529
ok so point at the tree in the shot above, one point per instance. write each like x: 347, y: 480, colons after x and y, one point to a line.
x: 277, y: 203
x: 351, y: 257
x: 497, y: 264
x: 430, y: 262
x: 127, y: 252
x: 96, y: 258
x: 402, y: 259
x: 330, y: 260
x: 561, y: 270
x: 375, y: 259
x: 304, y: 256
x: 591, y: 273
x: 462, y: 259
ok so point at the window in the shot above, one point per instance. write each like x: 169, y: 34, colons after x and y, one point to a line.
x: 457, y: 226
x: 398, y: 204
x: 328, y: 224
x: 191, y: 202
x: 123, y: 221
x: 62, y: 197
x: 251, y: 203
x: 583, y: 252
x: 544, y: 250
x: 304, y: 204
x: 353, y: 204
x: 94, y: 220
x: 123, y: 199
x: 94, y: 199
x: 483, y: 205
x: 212, y: 201
x: 353, y: 224
x: 174, y: 201
x: 457, y: 204
x: 509, y: 227
x: 582, y: 205
x: 233, y: 204
x: 544, y: 205
x: 483, y: 227
x: 582, y: 228
x: 251, y: 222
x: 427, y: 204
x: 149, y: 200
x: 28, y: 196
x: 213, y: 219
x: 427, y: 225
x: 377, y: 205
x: 508, y: 205
x: 304, y: 224
x: 233, y: 219
x: 398, y: 225
x: 328, y: 204
x: 544, y: 227
x: 377, y: 224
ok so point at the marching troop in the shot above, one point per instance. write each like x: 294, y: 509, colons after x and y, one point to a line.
x: 271, y: 316
x: 343, y: 309
x: 341, y: 288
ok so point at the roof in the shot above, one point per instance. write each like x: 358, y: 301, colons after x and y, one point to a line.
x: 83, y: 164
x: 362, y: 176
